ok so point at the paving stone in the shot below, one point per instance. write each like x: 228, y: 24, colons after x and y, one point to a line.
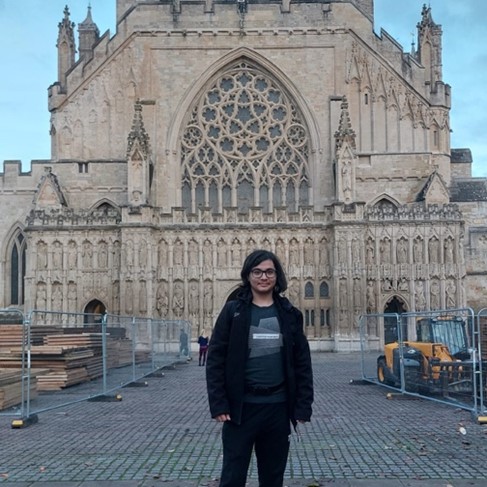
x: 162, y: 436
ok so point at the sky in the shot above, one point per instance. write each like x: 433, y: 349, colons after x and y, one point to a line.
x: 28, y: 66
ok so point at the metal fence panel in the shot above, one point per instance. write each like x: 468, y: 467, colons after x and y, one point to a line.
x: 172, y: 342
x: 372, y: 340
x: 434, y: 354
x: 482, y: 351
x: 66, y: 358
x: 15, y: 386
x: 60, y: 358
x: 120, y: 361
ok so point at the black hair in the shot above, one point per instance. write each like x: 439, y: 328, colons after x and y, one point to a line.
x: 253, y: 260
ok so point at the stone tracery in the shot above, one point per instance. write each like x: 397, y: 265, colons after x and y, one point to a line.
x: 245, y: 145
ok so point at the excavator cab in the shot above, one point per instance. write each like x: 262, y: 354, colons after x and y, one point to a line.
x: 449, y: 330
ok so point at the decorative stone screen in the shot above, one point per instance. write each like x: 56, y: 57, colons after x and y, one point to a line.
x: 245, y: 145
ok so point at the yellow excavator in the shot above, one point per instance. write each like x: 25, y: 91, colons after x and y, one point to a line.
x: 438, y: 362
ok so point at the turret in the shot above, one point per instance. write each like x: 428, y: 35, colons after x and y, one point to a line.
x: 89, y: 35
x: 66, y: 48
x: 429, y: 48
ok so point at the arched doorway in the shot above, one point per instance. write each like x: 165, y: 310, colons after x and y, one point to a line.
x: 394, y: 305
x: 94, y: 311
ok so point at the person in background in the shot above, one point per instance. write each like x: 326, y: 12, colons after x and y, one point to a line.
x: 258, y: 373
x: 203, y: 341
x: 183, y: 344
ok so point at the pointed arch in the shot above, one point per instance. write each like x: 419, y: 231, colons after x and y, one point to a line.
x: 16, y: 264
x: 427, y: 57
x: 354, y: 73
x: 380, y: 90
x: 394, y: 304
x: 406, y: 124
x: 385, y: 198
x: 256, y: 59
x: 309, y: 290
x: 324, y: 290
x: 366, y: 79
x: 104, y: 204
x: 240, y: 115
x: 379, y: 139
x: 94, y: 311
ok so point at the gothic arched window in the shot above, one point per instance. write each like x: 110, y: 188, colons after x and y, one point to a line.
x: 309, y: 290
x: 17, y: 269
x: 324, y: 291
x: 245, y: 144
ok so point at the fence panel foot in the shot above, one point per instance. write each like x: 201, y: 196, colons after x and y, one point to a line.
x: 137, y: 384
x: 106, y: 398
x: 24, y: 422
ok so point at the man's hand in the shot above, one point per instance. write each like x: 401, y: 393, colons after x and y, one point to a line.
x: 221, y: 418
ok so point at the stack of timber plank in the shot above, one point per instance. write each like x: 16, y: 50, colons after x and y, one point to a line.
x: 90, y: 340
x: 119, y: 353
x: 67, y: 356
x: 11, y: 387
x: 11, y: 335
x: 119, y: 347
x: 71, y: 358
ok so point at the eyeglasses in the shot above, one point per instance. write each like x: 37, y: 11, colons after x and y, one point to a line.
x: 257, y: 273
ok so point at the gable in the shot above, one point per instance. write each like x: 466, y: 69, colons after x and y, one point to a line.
x: 49, y: 193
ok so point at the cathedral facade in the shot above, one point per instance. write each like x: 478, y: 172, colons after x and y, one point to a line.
x: 203, y: 130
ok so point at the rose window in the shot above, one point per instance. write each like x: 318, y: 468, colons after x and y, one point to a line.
x: 245, y: 144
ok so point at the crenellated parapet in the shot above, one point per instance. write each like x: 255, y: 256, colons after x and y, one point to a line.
x: 124, y: 7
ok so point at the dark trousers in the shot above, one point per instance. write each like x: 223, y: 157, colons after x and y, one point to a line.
x: 202, y: 357
x: 266, y: 428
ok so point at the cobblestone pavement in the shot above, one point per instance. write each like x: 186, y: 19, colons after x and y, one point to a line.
x: 162, y: 435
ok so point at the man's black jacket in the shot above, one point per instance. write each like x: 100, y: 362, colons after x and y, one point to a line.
x: 228, y: 352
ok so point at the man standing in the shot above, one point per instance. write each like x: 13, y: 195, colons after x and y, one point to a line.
x: 259, y: 374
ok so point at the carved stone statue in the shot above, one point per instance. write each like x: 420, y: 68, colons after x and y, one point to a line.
x: 41, y: 256
x: 57, y: 256
x: 208, y: 299
x: 449, y: 258
x: 418, y: 251
x: 419, y: 296
x: 371, y: 301
x: 402, y: 251
x: 41, y: 299
x: 178, y: 300
x: 451, y: 291
x: 193, y: 298
x: 102, y: 255
x: 435, y: 294
x: 370, y: 252
x: 385, y: 251
x: 162, y: 300
x: 433, y: 250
